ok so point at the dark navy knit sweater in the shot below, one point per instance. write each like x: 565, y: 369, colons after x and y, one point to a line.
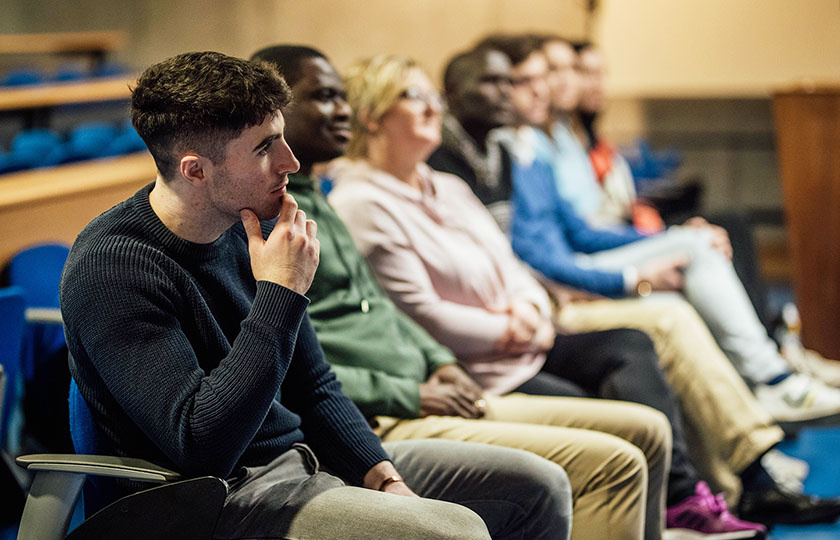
x: 185, y: 360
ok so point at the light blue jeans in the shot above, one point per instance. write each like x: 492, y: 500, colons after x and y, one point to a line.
x: 470, y: 491
x: 715, y: 291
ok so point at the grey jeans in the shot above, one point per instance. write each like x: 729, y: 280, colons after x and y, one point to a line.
x: 497, y: 492
x: 712, y: 287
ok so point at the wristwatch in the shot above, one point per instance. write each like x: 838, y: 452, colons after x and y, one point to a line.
x: 644, y: 288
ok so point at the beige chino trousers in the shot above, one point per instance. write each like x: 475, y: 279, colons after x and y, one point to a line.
x: 616, y: 454
x: 726, y: 427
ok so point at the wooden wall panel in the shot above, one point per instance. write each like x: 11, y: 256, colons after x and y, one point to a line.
x: 808, y: 135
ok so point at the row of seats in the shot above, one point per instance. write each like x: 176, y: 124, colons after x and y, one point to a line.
x: 64, y: 73
x: 44, y: 148
x: 33, y: 275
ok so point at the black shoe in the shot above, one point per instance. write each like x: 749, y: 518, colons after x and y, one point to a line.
x: 776, y: 505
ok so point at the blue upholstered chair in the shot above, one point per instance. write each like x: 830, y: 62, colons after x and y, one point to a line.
x: 127, y: 142
x: 184, y: 509
x: 71, y: 71
x: 90, y: 141
x: 109, y: 69
x: 37, y: 271
x: 22, y: 77
x: 12, y: 307
x: 36, y: 148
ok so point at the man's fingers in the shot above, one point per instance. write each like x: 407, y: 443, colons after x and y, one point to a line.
x: 288, y: 210
x: 300, y: 221
x: 252, y: 226
x: 464, y: 406
x: 311, y: 228
x: 469, y: 391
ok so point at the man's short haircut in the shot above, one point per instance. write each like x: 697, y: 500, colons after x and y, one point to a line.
x: 199, y: 101
x: 461, y: 67
x: 517, y: 47
x: 288, y: 58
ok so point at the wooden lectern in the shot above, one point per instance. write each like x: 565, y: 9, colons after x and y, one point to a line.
x: 808, y: 137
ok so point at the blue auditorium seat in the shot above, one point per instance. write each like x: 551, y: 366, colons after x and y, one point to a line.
x: 127, y: 142
x: 22, y: 77
x: 90, y: 141
x: 35, y: 148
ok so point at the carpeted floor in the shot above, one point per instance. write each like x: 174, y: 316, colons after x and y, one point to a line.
x: 820, y: 447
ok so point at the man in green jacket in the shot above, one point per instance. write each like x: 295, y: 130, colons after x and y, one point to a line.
x: 410, y: 386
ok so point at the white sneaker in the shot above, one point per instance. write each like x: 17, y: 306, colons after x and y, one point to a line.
x: 799, y: 398
x: 813, y: 363
x: 789, y: 472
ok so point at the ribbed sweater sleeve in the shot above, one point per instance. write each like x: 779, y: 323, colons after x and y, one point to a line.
x: 331, y: 423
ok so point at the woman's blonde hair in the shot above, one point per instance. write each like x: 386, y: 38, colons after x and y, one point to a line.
x: 373, y: 86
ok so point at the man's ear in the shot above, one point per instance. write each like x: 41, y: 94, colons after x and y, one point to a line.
x: 192, y: 167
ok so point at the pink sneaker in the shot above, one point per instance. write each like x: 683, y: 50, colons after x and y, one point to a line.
x: 705, y: 516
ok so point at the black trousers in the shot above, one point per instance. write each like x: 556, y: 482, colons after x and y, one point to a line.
x: 619, y: 364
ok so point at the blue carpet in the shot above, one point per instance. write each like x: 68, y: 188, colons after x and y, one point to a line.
x: 820, y: 447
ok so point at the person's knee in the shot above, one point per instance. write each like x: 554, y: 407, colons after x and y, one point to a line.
x: 455, y: 522
x: 637, y: 359
x: 650, y: 431
x: 635, y: 343
x: 681, y: 313
x: 352, y: 513
x: 692, y: 239
x: 626, y: 470
x: 545, y: 479
x: 543, y: 496
x: 434, y: 519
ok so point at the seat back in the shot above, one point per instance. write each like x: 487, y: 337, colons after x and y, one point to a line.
x: 128, y: 141
x: 12, y: 308
x: 37, y: 270
x: 22, y: 76
x: 36, y: 148
x: 90, y: 141
x: 88, y: 439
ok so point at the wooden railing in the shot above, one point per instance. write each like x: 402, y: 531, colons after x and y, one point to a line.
x: 38, y: 96
x: 91, y: 43
x: 54, y: 204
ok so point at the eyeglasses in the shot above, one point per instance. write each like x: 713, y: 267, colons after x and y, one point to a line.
x: 417, y: 95
x: 527, y: 80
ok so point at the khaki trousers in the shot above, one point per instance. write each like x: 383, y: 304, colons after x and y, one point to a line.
x: 726, y: 427
x: 616, y: 454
